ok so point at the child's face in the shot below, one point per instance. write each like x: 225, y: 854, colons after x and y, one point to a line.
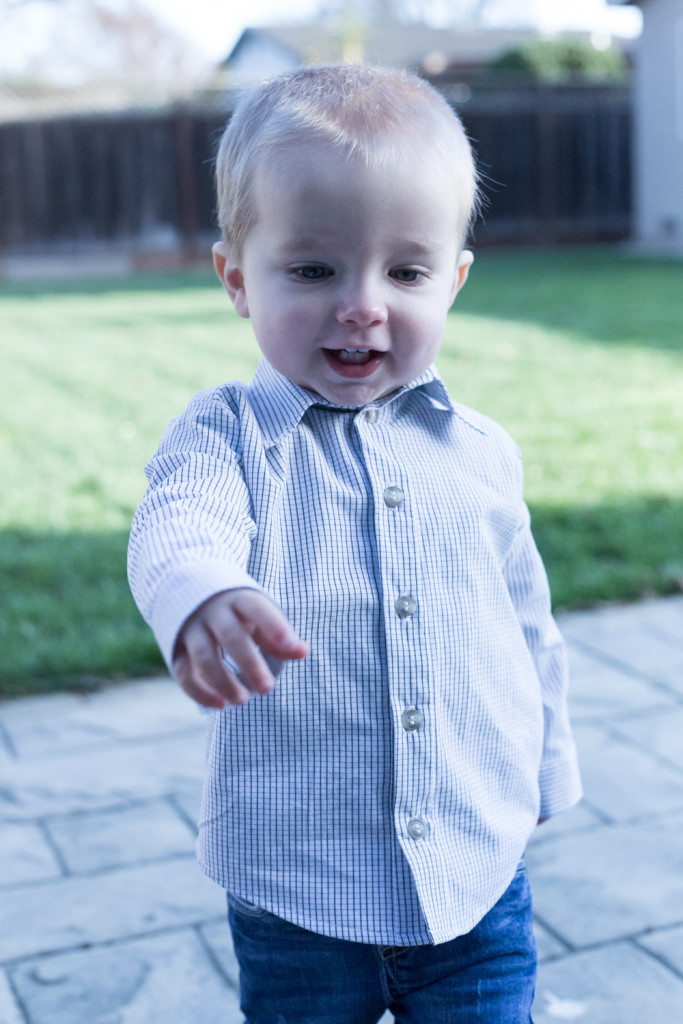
x: 348, y: 273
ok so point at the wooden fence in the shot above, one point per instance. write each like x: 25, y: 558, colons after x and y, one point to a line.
x: 556, y: 165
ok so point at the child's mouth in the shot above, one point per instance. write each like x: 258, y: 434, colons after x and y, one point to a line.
x: 353, y: 362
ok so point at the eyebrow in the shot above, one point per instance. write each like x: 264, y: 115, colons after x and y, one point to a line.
x: 414, y: 247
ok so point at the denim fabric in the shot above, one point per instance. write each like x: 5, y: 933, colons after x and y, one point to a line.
x: 292, y: 976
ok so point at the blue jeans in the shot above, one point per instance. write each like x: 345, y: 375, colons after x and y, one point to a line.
x: 292, y: 976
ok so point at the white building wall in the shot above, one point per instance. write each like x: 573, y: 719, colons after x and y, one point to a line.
x: 659, y: 126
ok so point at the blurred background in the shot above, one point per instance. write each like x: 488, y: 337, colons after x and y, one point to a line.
x: 569, y: 331
x: 109, y: 111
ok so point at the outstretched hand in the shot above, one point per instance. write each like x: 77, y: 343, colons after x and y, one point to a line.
x: 243, y: 623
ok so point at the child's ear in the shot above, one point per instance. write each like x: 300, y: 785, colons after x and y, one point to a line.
x: 461, y: 271
x: 231, y: 277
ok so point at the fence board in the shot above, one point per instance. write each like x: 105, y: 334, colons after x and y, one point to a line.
x: 556, y: 166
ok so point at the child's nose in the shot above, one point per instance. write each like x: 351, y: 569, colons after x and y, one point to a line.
x: 361, y: 306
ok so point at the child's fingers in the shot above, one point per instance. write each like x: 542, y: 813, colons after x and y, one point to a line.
x: 202, y: 673
x: 195, y: 689
x: 229, y: 632
x: 238, y: 622
x: 269, y: 628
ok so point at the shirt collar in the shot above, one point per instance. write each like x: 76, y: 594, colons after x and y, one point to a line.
x: 279, y: 404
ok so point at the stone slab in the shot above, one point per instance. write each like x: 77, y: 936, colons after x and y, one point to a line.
x: 622, y: 781
x: 25, y: 856
x: 661, y: 732
x: 189, y: 802
x: 164, y: 979
x: 219, y: 940
x: 662, y: 613
x: 10, y: 1012
x: 548, y: 946
x: 618, y: 984
x: 644, y: 651
x: 599, y: 690
x: 127, y: 902
x: 105, y: 839
x: 574, y: 820
x: 39, y: 726
x: 668, y: 945
x: 97, y: 779
x: 666, y: 617
x: 609, y: 883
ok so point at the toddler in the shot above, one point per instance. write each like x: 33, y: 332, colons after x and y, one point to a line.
x: 337, y: 559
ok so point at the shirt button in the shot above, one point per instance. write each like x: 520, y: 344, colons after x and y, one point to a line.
x: 393, y: 496
x: 371, y: 415
x: 411, y: 720
x: 405, y: 606
x: 417, y: 828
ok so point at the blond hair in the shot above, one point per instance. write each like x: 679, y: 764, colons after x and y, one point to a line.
x: 379, y: 115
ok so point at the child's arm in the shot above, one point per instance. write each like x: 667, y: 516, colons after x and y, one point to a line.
x: 559, y: 780
x: 188, y: 555
x: 238, y: 622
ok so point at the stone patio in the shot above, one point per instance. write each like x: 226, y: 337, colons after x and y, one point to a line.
x: 105, y: 917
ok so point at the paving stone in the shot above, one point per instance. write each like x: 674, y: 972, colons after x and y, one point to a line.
x: 9, y: 1011
x: 189, y: 802
x: 112, y: 905
x: 38, y: 726
x: 618, y: 984
x: 667, y: 944
x: 660, y: 731
x: 548, y: 946
x: 599, y: 690
x: 573, y: 820
x: 622, y: 781
x: 611, y: 882
x: 25, y: 856
x: 661, y: 612
x: 97, y: 779
x: 217, y: 936
x: 642, y: 650
x: 104, y: 839
x: 164, y: 979
x: 665, y: 617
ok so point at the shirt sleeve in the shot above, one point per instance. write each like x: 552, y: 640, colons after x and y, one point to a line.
x: 559, y: 778
x: 192, y: 532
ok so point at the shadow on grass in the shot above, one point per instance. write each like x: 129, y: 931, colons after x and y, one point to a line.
x: 611, y: 552
x: 68, y: 620
x: 602, y: 296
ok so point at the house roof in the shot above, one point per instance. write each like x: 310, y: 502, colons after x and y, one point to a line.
x: 388, y: 42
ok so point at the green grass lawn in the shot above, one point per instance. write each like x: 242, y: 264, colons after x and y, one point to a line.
x: 578, y: 354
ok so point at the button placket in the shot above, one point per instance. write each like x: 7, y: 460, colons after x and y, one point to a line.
x: 400, y: 560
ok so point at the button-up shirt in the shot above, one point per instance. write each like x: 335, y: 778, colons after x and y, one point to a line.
x: 385, y: 790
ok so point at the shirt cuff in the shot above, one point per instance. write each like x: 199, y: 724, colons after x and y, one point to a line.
x: 184, y: 590
x: 560, y: 785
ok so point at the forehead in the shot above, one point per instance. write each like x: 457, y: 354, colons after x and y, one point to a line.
x: 324, y: 183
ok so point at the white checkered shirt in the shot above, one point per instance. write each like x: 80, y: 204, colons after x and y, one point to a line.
x: 385, y: 790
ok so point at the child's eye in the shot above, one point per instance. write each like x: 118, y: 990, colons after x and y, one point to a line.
x: 407, y: 275
x: 311, y: 272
